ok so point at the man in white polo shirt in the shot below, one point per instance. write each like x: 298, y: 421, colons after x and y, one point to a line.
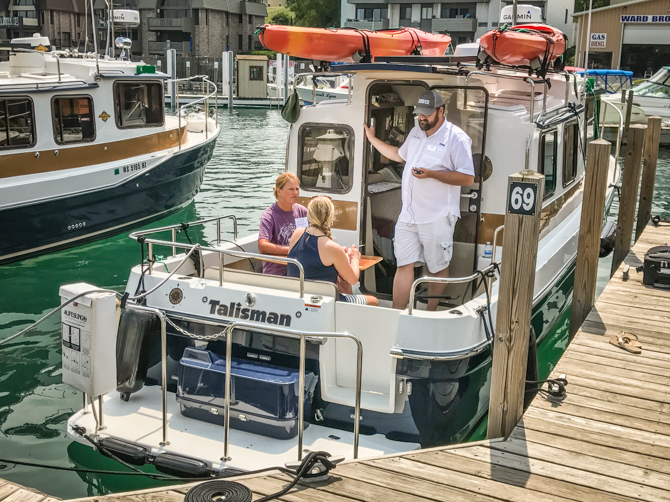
x: 438, y: 161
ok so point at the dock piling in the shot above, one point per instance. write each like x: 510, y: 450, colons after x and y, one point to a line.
x: 629, y: 111
x: 652, y: 140
x: 588, y: 249
x: 628, y: 196
x: 515, y: 301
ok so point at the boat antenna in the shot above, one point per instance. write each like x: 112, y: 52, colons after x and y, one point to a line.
x: 95, y: 42
x: 109, y: 21
x: 85, y: 27
x: 514, y: 9
x: 588, y: 44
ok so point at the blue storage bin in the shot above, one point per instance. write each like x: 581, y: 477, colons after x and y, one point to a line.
x: 263, y: 398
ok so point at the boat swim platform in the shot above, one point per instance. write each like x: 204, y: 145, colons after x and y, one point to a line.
x: 608, y: 440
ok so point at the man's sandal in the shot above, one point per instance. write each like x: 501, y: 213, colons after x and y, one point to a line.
x: 624, y: 341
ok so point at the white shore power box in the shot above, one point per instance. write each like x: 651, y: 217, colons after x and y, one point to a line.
x: 89, y: 326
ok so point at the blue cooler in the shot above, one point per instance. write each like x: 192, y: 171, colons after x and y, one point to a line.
x: 263, y: 397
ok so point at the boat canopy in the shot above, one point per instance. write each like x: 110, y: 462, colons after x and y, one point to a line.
x: 612, y: 81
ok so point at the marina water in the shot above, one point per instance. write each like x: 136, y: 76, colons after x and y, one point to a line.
x: 35, y: 405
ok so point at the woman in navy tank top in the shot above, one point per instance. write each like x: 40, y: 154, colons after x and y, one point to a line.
x: 321, y: 257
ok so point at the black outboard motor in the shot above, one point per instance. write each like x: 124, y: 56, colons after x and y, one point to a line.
x: 607, y: 238
x: 132, y: 350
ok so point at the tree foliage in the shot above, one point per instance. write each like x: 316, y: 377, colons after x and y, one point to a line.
x: 315, y: 13
x: 282, y: 16
x: 582, y: 5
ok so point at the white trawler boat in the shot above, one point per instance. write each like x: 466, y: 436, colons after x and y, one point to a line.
x: 275, y: 348
x: 87, y: 150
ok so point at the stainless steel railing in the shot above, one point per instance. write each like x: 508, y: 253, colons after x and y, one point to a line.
x: 228, y: 335
x: 303, y: 336
x: 221, y: 252
x: 489, y: 280
x: 528, y: 80
x: 176, y: 227
x: 443, y: 280
x: 161, y: 315
x: 619, y: 135
x: 204, y: 99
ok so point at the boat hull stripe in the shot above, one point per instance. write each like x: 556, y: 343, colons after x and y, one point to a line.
x: 25, y: 162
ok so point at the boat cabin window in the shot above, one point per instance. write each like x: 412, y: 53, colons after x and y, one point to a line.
x: 138, y: 104
x: 17, y: 123
x: 547, y: 161
x: 570, y: 151
x: 326, y: 156
x: 73, y: 119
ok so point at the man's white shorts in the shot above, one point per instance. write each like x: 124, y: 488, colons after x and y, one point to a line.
x: 429, y: 243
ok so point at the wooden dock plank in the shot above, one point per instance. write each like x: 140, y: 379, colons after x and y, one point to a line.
x: 610, y: 392
x: 481, y: 466
x: 467, y: 481
x: 165, y: 496
x: 631, y: 366
x: 365, y: 492
x: 583, y: 346
x: 599, y: 341
x: 559, y: 471
x: 638, y: 435
x: 405, y: 484
x: 23, y: 495
x: 619, y: 438
x: 6, y: 489
x: 604, y: 451
x: 587, y: 410
x: 582, y: 459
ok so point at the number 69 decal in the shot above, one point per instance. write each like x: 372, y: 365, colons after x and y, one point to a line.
x: 522, y: 198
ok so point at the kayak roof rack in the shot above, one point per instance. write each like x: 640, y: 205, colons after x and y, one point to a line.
x: 420, y: 60
x: 354, y: 67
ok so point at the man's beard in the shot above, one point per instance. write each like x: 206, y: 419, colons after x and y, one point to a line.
x: 428, y: 124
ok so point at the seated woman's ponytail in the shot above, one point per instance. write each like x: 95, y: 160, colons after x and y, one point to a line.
x: 321, y: 213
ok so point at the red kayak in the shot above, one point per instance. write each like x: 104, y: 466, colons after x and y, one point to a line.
x: 521, y: 44
x: 323, y: 44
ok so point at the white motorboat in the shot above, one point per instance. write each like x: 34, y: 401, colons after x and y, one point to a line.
x: 650, y: 98
x: 315, y: 89
x: 239, y: 358
x: 86, y: 149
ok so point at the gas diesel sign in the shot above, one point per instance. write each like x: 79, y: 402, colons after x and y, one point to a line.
x: 646, y: 19
x: 598, y: 41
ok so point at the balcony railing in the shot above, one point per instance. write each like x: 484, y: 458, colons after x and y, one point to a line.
x: 449, y: 25
x: 160, y: 47
x: 164, y: 22
x: 367, y: 24
x: 171, y: 23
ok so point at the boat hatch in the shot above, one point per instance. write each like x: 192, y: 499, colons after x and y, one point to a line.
x: 390, y: 112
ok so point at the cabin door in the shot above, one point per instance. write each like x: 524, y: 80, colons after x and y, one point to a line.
x: 467, y: 108
x: 390, y: 111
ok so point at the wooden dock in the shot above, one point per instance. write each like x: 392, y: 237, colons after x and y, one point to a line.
x: 11, y: 492
x: 608, y: 440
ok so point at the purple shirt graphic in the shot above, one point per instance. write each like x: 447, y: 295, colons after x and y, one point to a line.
x: 277, y: 227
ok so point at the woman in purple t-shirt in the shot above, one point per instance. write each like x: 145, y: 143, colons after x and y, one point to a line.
x: 280, y: 220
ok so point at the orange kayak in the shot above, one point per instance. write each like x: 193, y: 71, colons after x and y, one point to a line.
x: 521, y: 44
x: 324, y: 44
